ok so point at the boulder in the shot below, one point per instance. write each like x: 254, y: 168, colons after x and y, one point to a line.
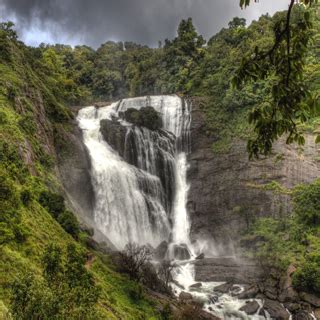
x: 292, y: 307
x: 224, y: 288
x: 196, y: 286
x: 276, y: 310
x: 200, y: 256
x: 249, y: 293
x: 250, y: 308
x: 160, y: 252
x: 289, y: 295
x: 311, y: 299
x: 302, y: 315
x: 114, y: 134
x: 181, y: 252
x: 185, y: 296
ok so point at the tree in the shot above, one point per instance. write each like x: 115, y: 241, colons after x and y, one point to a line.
x: 284, y: 64
x: 66, y: 290
x: 165, y: 271
x: 133, y: 258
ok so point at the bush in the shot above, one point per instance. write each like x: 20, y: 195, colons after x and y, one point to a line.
x: 65, y: 290
x: 133, y: 259
x: 145, y: 117
x: 53, y: 202
x: 26, y: 197
x: 307, y: 277
x: 306, y: 200
x: 28, y: 124
x: 69, y: 223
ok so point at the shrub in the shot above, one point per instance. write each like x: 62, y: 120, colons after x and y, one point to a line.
x: 69, y: 223
x: 133, y: 259
x: 145, y: 117
x: 66, y: 289
x: 307, y: 277
x: 26, y: 197
x: 306, y: 200
x: 53, y: 202
x: 28, y: 124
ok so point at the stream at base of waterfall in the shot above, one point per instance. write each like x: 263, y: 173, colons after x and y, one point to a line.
x: 141, y: 190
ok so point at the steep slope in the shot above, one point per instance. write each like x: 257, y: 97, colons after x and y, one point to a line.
x: 228, y: 192
x: 34, y: 131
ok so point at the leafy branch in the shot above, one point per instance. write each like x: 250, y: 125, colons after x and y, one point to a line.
x: 283, y: 64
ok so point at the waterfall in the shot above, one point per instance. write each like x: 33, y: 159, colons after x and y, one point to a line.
x: 139, y: 178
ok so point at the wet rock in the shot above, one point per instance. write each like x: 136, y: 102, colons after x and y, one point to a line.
x: 250, y: 308
x: 161, y: 251
x: 292, y: 307
x: 213, y: 299
x: 88, y: 230
x: 115, y: 134
x: 311, y: 299
x: 224, y: 288
x: 271, y: 294
x: 227, y: 269
x: 196, y: 286
x: 101, y: 104
x: 215, y: 193
x: 185, y: 296
x: 178, y: 284
x: 289, y: 295
x: 181, y: 252
x: 276, y: 310
x: 200, y: 256
x: 249, y: 293
x: 302, y: 315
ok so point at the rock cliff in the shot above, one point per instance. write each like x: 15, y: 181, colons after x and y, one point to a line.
x: 227, y: 190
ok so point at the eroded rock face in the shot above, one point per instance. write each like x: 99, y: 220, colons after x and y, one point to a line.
x: 227, y: 269
x: 114, y: 134
x: 250, y: 308
x: 74, y: 171
x: 225, y: 189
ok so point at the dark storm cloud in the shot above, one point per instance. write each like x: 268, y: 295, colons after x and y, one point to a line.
x: 145, y: 21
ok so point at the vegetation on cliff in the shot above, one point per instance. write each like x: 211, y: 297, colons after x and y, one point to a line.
x: 36, y: 84
x: 293, y: 239
x: 46, y: 269
x: 146, y: 117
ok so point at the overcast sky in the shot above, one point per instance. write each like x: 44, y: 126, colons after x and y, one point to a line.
x: 93, y: 22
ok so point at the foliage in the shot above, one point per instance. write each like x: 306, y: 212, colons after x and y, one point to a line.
x: 293, y: 239
x: 284, y: 64
x: 32, y: 83
x: 66, y: 291
x: 145, y: 117
x: 307, y: 203
x: 54, y: 203
x: 132, y: 260
x: 307, y: 277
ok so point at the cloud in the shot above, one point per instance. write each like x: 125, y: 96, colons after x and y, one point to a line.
x: 144, y: 21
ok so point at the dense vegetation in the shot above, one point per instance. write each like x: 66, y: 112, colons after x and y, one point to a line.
x: 47, y: 270
x: 294, y: 239
x: 36, y: 84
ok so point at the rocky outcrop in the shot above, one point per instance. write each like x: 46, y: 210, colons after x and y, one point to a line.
x: 74, y: 171
x: 226, y: 190
x: 114, y: 134
x: 227, y: 269
x: 250, y: 307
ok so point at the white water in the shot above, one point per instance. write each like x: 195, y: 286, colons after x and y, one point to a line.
x: 131, y: 204
x: 125, y: 212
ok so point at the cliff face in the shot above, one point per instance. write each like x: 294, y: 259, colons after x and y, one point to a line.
x: 227, y: 190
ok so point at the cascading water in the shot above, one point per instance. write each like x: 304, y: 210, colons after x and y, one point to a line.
x: 139, y: 178
x: 141, y: 195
